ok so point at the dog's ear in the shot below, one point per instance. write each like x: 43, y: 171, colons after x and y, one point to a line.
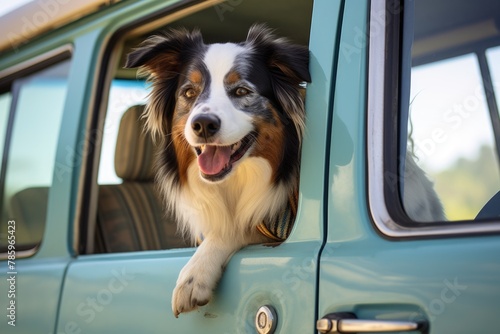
x: 288, y: 59
x: 161, y: 58
x: 289, y: 67
x: 164, y: 51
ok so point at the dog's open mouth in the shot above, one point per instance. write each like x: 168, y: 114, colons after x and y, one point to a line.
x: 216, y: 161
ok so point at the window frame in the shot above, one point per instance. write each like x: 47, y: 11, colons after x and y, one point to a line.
x: 383, y: 107
x: 86, y: 207
x: 7, y: 78
x: 110, y: 50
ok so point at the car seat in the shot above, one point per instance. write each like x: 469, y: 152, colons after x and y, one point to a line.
x: 131, y: 216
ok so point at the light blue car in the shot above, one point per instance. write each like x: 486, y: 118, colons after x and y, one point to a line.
x: 86, y: 246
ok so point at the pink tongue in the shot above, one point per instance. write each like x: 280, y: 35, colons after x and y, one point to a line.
x: 213, y: 159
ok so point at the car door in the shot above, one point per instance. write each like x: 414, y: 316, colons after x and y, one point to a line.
x: 417, y: 78
x: 130, y: 291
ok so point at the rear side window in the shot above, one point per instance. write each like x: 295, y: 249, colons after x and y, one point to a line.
x: 442, y: 139
x: 28, y: 166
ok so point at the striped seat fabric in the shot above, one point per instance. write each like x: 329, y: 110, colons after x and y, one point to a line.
x: 130, y: 215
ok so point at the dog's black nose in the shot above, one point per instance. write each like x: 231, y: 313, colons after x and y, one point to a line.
x: 205, y: 125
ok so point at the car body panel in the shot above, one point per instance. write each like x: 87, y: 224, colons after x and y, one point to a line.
x: 442, y: 281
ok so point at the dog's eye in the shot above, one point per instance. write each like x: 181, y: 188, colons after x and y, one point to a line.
x: 241, y: 91
x: 190, y: 93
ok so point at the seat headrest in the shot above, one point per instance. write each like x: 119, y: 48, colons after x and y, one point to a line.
x: 134, y: 148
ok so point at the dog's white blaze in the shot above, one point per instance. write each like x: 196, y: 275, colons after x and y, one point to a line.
x: 219, y: 60
x: 235, y: 124
x: 231, y: 209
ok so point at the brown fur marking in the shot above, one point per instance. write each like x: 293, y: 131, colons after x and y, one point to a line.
x: 269, y: 144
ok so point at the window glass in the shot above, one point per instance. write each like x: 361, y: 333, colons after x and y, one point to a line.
x: 29, y: 170
x: 450, y: 136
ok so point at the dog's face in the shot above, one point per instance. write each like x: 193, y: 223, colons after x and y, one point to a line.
x: 221, y: 103
x: 221, y: 110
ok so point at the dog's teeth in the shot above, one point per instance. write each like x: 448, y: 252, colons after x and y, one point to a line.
x: 236, y: 146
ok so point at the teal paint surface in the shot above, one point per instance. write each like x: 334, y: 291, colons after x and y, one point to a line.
x: 451, y: 283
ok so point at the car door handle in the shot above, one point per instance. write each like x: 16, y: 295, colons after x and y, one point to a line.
x: 338, y: 323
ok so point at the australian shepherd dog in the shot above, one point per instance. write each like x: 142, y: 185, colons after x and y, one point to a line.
x: 229, y: 119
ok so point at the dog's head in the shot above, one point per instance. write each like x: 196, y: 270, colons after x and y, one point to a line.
x: 220, y: 103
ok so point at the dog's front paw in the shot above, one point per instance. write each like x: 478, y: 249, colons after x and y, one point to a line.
x: 190, y: 291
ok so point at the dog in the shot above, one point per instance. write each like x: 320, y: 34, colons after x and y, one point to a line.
x: 229, y: 119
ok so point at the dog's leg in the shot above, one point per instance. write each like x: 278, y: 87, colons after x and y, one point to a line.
x: 200, y: 275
